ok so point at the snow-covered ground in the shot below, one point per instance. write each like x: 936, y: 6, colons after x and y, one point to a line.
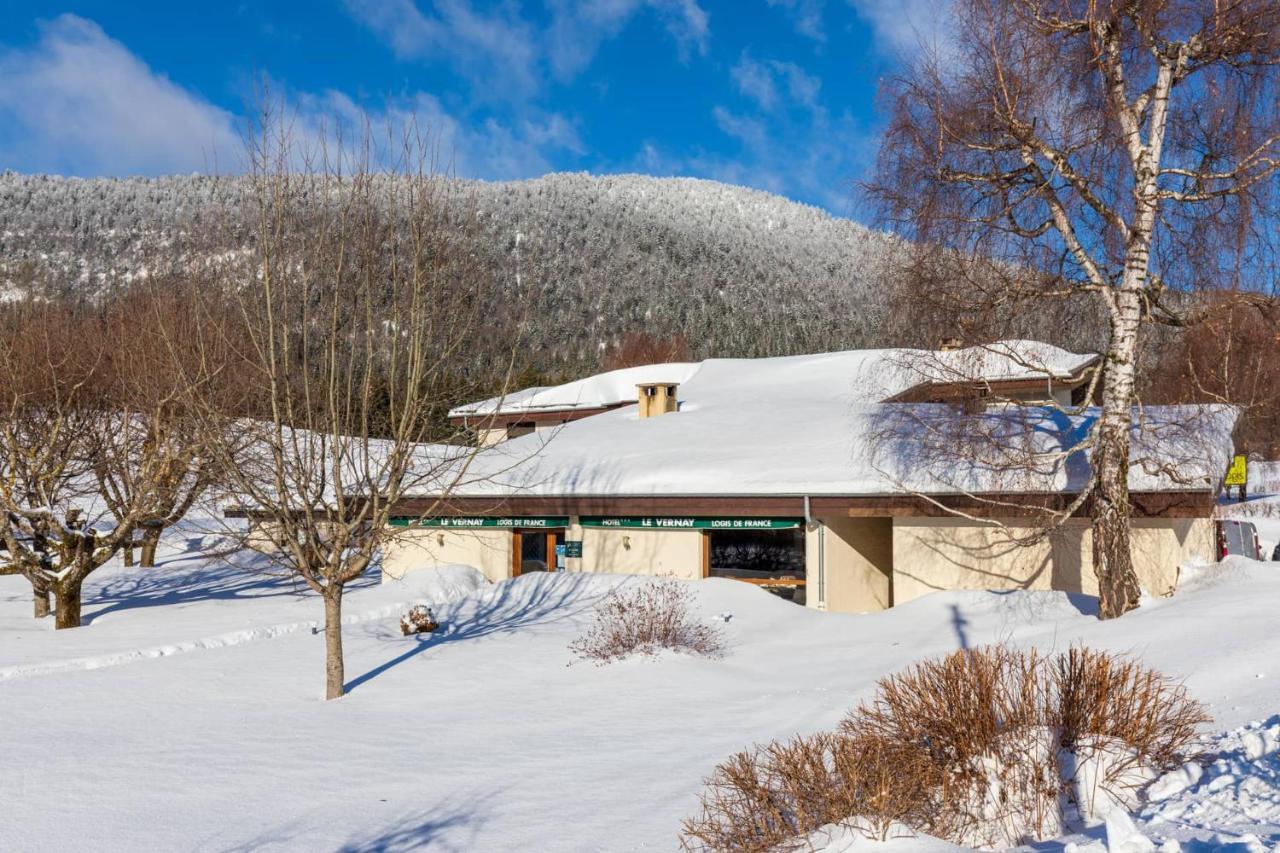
x: 187, y: 714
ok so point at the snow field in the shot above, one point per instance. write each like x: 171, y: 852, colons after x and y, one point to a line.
x: 488, y: 736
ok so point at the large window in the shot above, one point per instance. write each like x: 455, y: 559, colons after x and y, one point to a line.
x: 757, y: 555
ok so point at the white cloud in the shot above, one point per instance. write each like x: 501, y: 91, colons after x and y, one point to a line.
x: 806, y: 16
x: 761, y: 81
x: 808, y: 155
x: 755, y: 81
x: 788, y: 141
x: 490, y: 149
x: 497, y: 51
x: 504, y: 54
x: 80, y: 102
x: 902, y: 27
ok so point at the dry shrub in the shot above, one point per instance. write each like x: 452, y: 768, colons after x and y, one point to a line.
x: 991, y: 747
x: 771, y: 797
x: 645, y: 620
x: 970, y: 721
x: 1120, y: 725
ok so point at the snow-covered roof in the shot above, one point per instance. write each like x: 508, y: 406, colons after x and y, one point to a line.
x: 892, y: 372
x: 816, y: 425
x: 595, y: 392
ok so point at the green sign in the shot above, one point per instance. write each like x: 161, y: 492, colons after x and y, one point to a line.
x: 475, y: 521
x: 691, y: 523
x: 572, y: 548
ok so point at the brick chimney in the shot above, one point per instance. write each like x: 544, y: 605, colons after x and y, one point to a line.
x: 656, y: 398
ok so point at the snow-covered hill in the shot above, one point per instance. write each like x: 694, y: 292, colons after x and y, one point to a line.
x: 736, y: 271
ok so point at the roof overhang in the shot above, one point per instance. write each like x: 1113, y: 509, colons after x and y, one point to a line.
x: 1165, y: 504
x: 929, y: 390
x: 541, y: 417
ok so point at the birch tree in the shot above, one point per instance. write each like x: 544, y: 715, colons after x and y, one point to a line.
x: 1124, y: 149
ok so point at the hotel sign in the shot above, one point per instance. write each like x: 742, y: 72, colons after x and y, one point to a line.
x: 690, y: 523
x: 476, y: 521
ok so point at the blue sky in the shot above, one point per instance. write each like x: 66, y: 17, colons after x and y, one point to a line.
x: 775, y: 94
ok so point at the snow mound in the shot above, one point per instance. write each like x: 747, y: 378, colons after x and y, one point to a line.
x: 836, y: 838
x: 1233, y: 798
x: 1233, y: 571
x: 444, y: 583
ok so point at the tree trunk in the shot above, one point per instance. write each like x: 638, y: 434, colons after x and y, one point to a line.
x: 150, y: 539
x: 1118, y: 589
x: 335, y: 675
x: 40, y: 595
x: 66, y: 597
x: 128, y: 555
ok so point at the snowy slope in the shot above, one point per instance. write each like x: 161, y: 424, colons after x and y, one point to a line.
x: 485, y: 737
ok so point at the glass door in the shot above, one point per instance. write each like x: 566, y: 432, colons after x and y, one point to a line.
x: 537, y: 551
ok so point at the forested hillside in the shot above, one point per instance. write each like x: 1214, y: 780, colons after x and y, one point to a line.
x: 583, y: 259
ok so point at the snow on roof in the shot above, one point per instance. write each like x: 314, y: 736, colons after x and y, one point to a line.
x: 594, y: 392
x: 887, y: 373
x: 815, y: 425
x: 997, y: 362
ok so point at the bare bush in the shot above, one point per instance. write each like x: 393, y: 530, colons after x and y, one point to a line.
x: 988, y: 748
x: 643, y: 620
x: 419, y: 620
x: 771, y: 797
x: 1121, y: 722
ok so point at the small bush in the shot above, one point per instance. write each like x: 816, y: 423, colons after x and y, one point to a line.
x: 419, y: 620
x: 991, y: 748
x: 644, y: 620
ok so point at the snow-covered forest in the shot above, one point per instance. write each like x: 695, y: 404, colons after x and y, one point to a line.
x: 737, y: 271
x: 581, y: 259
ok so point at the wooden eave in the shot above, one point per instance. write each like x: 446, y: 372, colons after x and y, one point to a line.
x: 1165, y: 504
x: 926, y: 391
x: 541, y: 417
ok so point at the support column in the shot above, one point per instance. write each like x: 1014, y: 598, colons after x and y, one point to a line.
x: 815, y: 568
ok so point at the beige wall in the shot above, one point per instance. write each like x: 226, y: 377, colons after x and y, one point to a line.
x: 488, y: 550
x: 856, y: 556
x: 264, y: 537
x: 677, y: 553
x: 945, y: 553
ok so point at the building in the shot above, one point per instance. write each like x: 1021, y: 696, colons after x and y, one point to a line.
x: 832, y: 479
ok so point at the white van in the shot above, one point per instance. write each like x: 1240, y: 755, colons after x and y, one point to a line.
x: 1239, y: 538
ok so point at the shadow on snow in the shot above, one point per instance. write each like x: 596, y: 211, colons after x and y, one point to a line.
x: 510, y: 606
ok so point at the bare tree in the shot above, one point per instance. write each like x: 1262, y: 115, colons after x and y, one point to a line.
x: 1122, y: 149
x: 97, y: 442
x: 1232, y: 357
x: 46, y: 385
x: 155, y: 453
x: 361, y: 302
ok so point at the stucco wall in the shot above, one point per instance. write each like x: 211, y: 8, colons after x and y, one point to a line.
x: 945, y: 553
x: 857, y: 564
x: 263, y: 536
x: 488, y: 550
x: 677, y: 553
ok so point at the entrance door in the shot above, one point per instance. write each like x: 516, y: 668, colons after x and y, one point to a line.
x: 535, y: 550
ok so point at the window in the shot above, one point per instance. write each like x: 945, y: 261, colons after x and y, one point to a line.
x: 757, y: 555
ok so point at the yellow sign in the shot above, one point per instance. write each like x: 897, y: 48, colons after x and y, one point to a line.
x: 1238, y: 473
